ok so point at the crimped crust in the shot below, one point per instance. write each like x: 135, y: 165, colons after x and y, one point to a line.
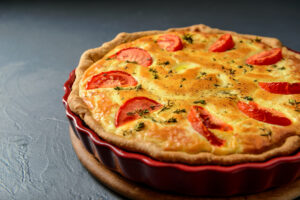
x: 286, y: 143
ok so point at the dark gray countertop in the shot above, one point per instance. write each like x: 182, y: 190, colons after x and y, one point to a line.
x: 40, y: 43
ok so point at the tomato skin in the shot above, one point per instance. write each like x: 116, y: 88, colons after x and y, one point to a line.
x: 281, y: 87
x: 133, y: 105
x: 266, y: 115
x: 201, y: 120
x: 224, y: 43
x: 170, y: 42
x: 111, y: 79
x: 266, y: 57
x: 134, y: 54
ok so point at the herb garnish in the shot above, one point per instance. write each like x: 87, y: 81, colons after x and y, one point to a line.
x: 137, y: 88
x: 179, y: 111
x: 200, y: 101
x: 257, y: 39
x: 142, y: 112
x: 133, y: 62
x: 164, y: 63
x: 231, y: 71
x: 295, y: 103
x: 266, y: 132
x: 188, y: 38
x: 201, y: 75
x: 167, y: 107
x: 250, y: 66
x: 171, y: 120
x: 140, y: 126
x: 154, y: 73
x: 248, y: 98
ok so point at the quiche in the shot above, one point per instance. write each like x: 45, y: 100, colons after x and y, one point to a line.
x: 194, y: 95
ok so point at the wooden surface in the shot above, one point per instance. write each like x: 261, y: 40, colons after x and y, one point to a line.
x: 132, y: 190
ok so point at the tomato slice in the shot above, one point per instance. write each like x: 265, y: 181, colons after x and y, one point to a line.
x: 170, y: 42
x: 133, y: 108
x: 281, y: 87
x: 266, y: 57
x: 266, y: 115
x: 134, y: 54
x: 111, y: 79
x: 224, y: 43
x: 201, y: 120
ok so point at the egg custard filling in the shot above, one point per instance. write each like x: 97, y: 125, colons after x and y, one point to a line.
x: 194, y: 95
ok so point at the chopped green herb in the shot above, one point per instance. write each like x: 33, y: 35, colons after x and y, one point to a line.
x: 108, y: 58
x: 142, y: 112
x: 154, y: 73
x: 137, y: 88
x: 201, y: 75
x: 292, y: 101
x: 188, y: 38
x: 214, y: 59
x: 152, y: 107
x: 232, y: 72
x: 250, y: 66
x: 200, y: 101
x: 133, y: 62
x: 248, y: 98
x: 166, y: 63
x: 171, y: 120
x: 281, y: 68
x: 216, y: 85
x: 240, y: 66
x: 166, y: 107
x: 126, y: 132
x: 274, y: 66
x: 179, y: 111
x: 152, y: 70
x: 269, y: 70
x: 170, y: 71
x: 257, y: 39
x: 241, y: 41
x: 140, y: 126
x: 266, y: 132
x: 130, y: 113
x: 117, y: 88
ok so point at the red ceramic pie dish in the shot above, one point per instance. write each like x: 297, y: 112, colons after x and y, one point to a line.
x: 202, y: 180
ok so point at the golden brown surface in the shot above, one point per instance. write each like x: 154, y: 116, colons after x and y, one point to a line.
x: 191, y: 74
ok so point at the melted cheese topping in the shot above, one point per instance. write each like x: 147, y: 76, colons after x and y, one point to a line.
x: 186, y: 77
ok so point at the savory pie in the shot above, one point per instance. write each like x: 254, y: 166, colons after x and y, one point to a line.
x: 194, y: 95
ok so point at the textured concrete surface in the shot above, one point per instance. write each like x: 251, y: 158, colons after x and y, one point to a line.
x: 40, y: 43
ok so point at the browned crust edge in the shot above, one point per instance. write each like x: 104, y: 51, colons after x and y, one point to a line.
x: 77, y: 105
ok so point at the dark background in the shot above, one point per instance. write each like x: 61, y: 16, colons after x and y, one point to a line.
x: 41, y: 42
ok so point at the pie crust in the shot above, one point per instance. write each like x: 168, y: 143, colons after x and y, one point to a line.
x: 284, y: 141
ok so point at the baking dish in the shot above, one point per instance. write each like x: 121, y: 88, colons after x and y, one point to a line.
x: 202, y: 180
